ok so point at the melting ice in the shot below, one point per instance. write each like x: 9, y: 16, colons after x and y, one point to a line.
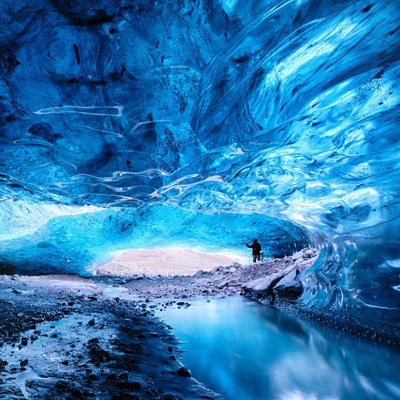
x: 129, y: 120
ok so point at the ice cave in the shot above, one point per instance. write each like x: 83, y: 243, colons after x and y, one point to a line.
x: 130, y: 124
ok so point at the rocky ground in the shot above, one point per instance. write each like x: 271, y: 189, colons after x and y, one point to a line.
x: 71, y: 338
x: 260, y: 278
x: 58, y: 343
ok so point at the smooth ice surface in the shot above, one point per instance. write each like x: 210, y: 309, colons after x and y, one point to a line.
x: 224, y: 110
x: 81, y: 243
x: 252, y: 352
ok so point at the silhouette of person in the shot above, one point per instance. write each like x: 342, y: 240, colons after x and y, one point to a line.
x: 256, y: 249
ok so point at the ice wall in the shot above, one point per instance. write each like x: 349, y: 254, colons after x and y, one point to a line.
x: 287, y: 111
x: 81, y: 243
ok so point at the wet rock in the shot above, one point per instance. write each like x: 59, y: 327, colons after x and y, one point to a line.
x: 92, y: 322
x: 171, y: 397
x: 183, y: 371
x: 136, y: 385
x: 266, y: 283
x: 123, y: 375
x: 63, y: 385
x: 130, y: 386
x: 152, y: 392
x: 222, y: 285
x: 199, y: 274
x: 289, y: 287
x: 97, y: 354
x: 76, y: 393
x: 112, y: 376
x: 125, y: 396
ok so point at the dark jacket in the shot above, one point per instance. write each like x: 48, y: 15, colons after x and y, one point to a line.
x: 256, y: 248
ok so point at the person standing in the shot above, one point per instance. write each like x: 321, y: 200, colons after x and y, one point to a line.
x: 256, y: 249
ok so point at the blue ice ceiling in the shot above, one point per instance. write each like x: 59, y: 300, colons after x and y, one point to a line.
x: 172, y: 116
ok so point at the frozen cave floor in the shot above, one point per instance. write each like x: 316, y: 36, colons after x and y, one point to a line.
x: 67, y: 337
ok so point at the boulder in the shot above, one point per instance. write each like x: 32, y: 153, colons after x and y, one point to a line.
x: 289, y: 286
x: 266, y: 283
x: 223, y: 284
x: 199, y: 273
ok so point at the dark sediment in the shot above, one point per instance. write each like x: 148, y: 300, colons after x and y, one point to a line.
x: 71, y: 338
x: 75, y: 338
x: 65, y: 344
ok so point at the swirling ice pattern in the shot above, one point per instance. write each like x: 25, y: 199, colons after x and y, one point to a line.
x: 285, y: 109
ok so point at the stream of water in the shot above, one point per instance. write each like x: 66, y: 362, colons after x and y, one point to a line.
x: 247, y: 351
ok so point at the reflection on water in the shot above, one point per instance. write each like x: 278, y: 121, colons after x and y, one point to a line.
x: 247, y: 351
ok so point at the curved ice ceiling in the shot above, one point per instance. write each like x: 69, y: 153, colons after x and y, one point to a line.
x: 284, y: 115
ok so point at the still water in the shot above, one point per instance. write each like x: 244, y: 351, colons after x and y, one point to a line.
x: 247, y: 351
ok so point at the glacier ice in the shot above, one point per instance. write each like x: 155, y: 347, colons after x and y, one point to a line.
x: 132, y: 123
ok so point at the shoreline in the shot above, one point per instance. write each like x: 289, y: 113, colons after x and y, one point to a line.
x: 75, y: 342
x: 99, y: 337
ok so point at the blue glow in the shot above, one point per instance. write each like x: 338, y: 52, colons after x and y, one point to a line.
x: 287, y: 110
x: 248, y: 351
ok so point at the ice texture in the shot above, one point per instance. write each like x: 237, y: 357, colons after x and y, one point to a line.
x: 145, y: 123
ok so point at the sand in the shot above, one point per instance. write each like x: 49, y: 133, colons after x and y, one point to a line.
x: 166, y: 261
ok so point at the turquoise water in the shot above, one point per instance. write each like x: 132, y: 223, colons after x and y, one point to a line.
x: 248, y: 351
